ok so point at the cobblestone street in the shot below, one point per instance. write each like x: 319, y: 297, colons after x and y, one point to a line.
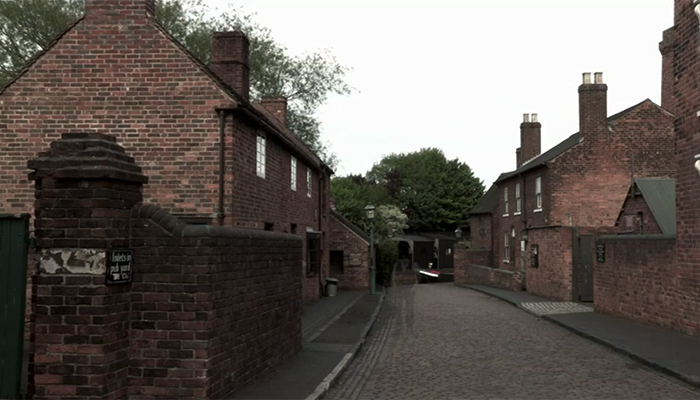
x: 439, y: 341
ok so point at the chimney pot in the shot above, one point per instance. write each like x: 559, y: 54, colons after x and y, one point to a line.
x: 533, y: 118
x: 598, y: 77
x: 526, y: 118
x: 586, y: 78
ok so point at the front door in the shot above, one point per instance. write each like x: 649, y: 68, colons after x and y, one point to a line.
x: 586, y: 269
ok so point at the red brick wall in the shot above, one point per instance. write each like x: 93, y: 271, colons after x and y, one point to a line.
x: 257, y: 200
x: 553, y: 277
x: 464, y: 257
x: 163, y: 112
x: 481, y: 231
x: 590, y: 181
x: 686, y: 103
x: 632, y: 206
x: 355, y: 256
x: 638, y: 281
x: 209, y: 309
x: 145, y: 90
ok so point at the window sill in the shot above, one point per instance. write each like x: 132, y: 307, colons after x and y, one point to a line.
x: 506, y: 215
x: 539, y: 210
x: 518, y: 213
x: 506, y: 261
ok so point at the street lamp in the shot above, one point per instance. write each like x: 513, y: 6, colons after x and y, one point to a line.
x: 372, y: 269
x: 458, y: 232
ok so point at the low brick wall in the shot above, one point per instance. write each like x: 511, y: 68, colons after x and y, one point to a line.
x: 463, y: 257
x: 207, y: 309
x: 493, y: 277
x: 638, y: 280
x: 553, y: 278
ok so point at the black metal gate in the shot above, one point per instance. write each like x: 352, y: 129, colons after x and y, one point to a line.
x: 585, y: 269
x: 14, y: 240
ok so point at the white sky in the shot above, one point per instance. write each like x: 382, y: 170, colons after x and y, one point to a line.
x: 458, y: 75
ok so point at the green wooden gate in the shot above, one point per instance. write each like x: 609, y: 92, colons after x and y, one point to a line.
x: 14, y: 239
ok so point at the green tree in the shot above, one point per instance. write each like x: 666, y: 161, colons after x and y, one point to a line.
x: 352, y: 193
x: 435, y: 193
x: 29, y: 26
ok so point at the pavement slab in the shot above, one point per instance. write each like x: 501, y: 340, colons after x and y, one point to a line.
x: 334, y: 330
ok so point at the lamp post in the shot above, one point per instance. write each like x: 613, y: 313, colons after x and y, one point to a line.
x: 372, y: 268
x: 458, y: 233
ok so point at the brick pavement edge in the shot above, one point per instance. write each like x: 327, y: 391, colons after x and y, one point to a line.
x: 330, y: 379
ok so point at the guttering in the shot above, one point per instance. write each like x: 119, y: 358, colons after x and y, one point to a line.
x: 257, y: 117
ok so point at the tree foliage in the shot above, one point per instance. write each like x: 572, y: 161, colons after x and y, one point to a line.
x: 29, y: 26
x: 352, y: 193
x: 435, y: 193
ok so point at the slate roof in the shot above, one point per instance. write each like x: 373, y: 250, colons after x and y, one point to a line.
x: 488, y: 202
x: 660, y: 196
x: 359, y: 232
x: 559, y: 149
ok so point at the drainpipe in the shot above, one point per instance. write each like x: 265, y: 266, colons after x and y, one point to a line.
x: 222, y: 165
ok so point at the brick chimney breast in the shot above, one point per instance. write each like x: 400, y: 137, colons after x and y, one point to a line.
x: 278, y: 107
x: 530, y: 138
x: 230, y: 60
x: 593, y: 106
x: 110, y: 10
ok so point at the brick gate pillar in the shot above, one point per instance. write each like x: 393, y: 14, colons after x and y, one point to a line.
x: 85, y: 188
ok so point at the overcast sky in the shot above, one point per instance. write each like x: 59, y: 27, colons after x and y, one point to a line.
x: 458, y: 75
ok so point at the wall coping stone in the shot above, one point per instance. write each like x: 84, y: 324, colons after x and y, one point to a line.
x: 177, y: 228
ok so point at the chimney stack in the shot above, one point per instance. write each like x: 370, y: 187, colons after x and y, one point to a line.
x: 230, y: 60
x: 593, y: 105
x: 666, y: 48
x: 114, y: 10
x: 277, y: 106
x: 530, y: 139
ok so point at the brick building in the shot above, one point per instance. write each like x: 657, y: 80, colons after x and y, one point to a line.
x: 655, y: 278
x: 546, y: 208
x: 349, y: 249
x: 212, y: 155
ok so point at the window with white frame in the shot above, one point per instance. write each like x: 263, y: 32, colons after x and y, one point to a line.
x: 294, y: 173
x: 505, y: 202
x: 506, y: 247
x: 308, y: 182
x: 518, y: 200
x: 538, y: 192
x: 261, y: 154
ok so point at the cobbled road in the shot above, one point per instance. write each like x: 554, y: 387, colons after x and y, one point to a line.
x: 438, y: 341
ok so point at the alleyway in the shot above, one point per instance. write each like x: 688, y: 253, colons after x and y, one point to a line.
x: 444, y: 342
